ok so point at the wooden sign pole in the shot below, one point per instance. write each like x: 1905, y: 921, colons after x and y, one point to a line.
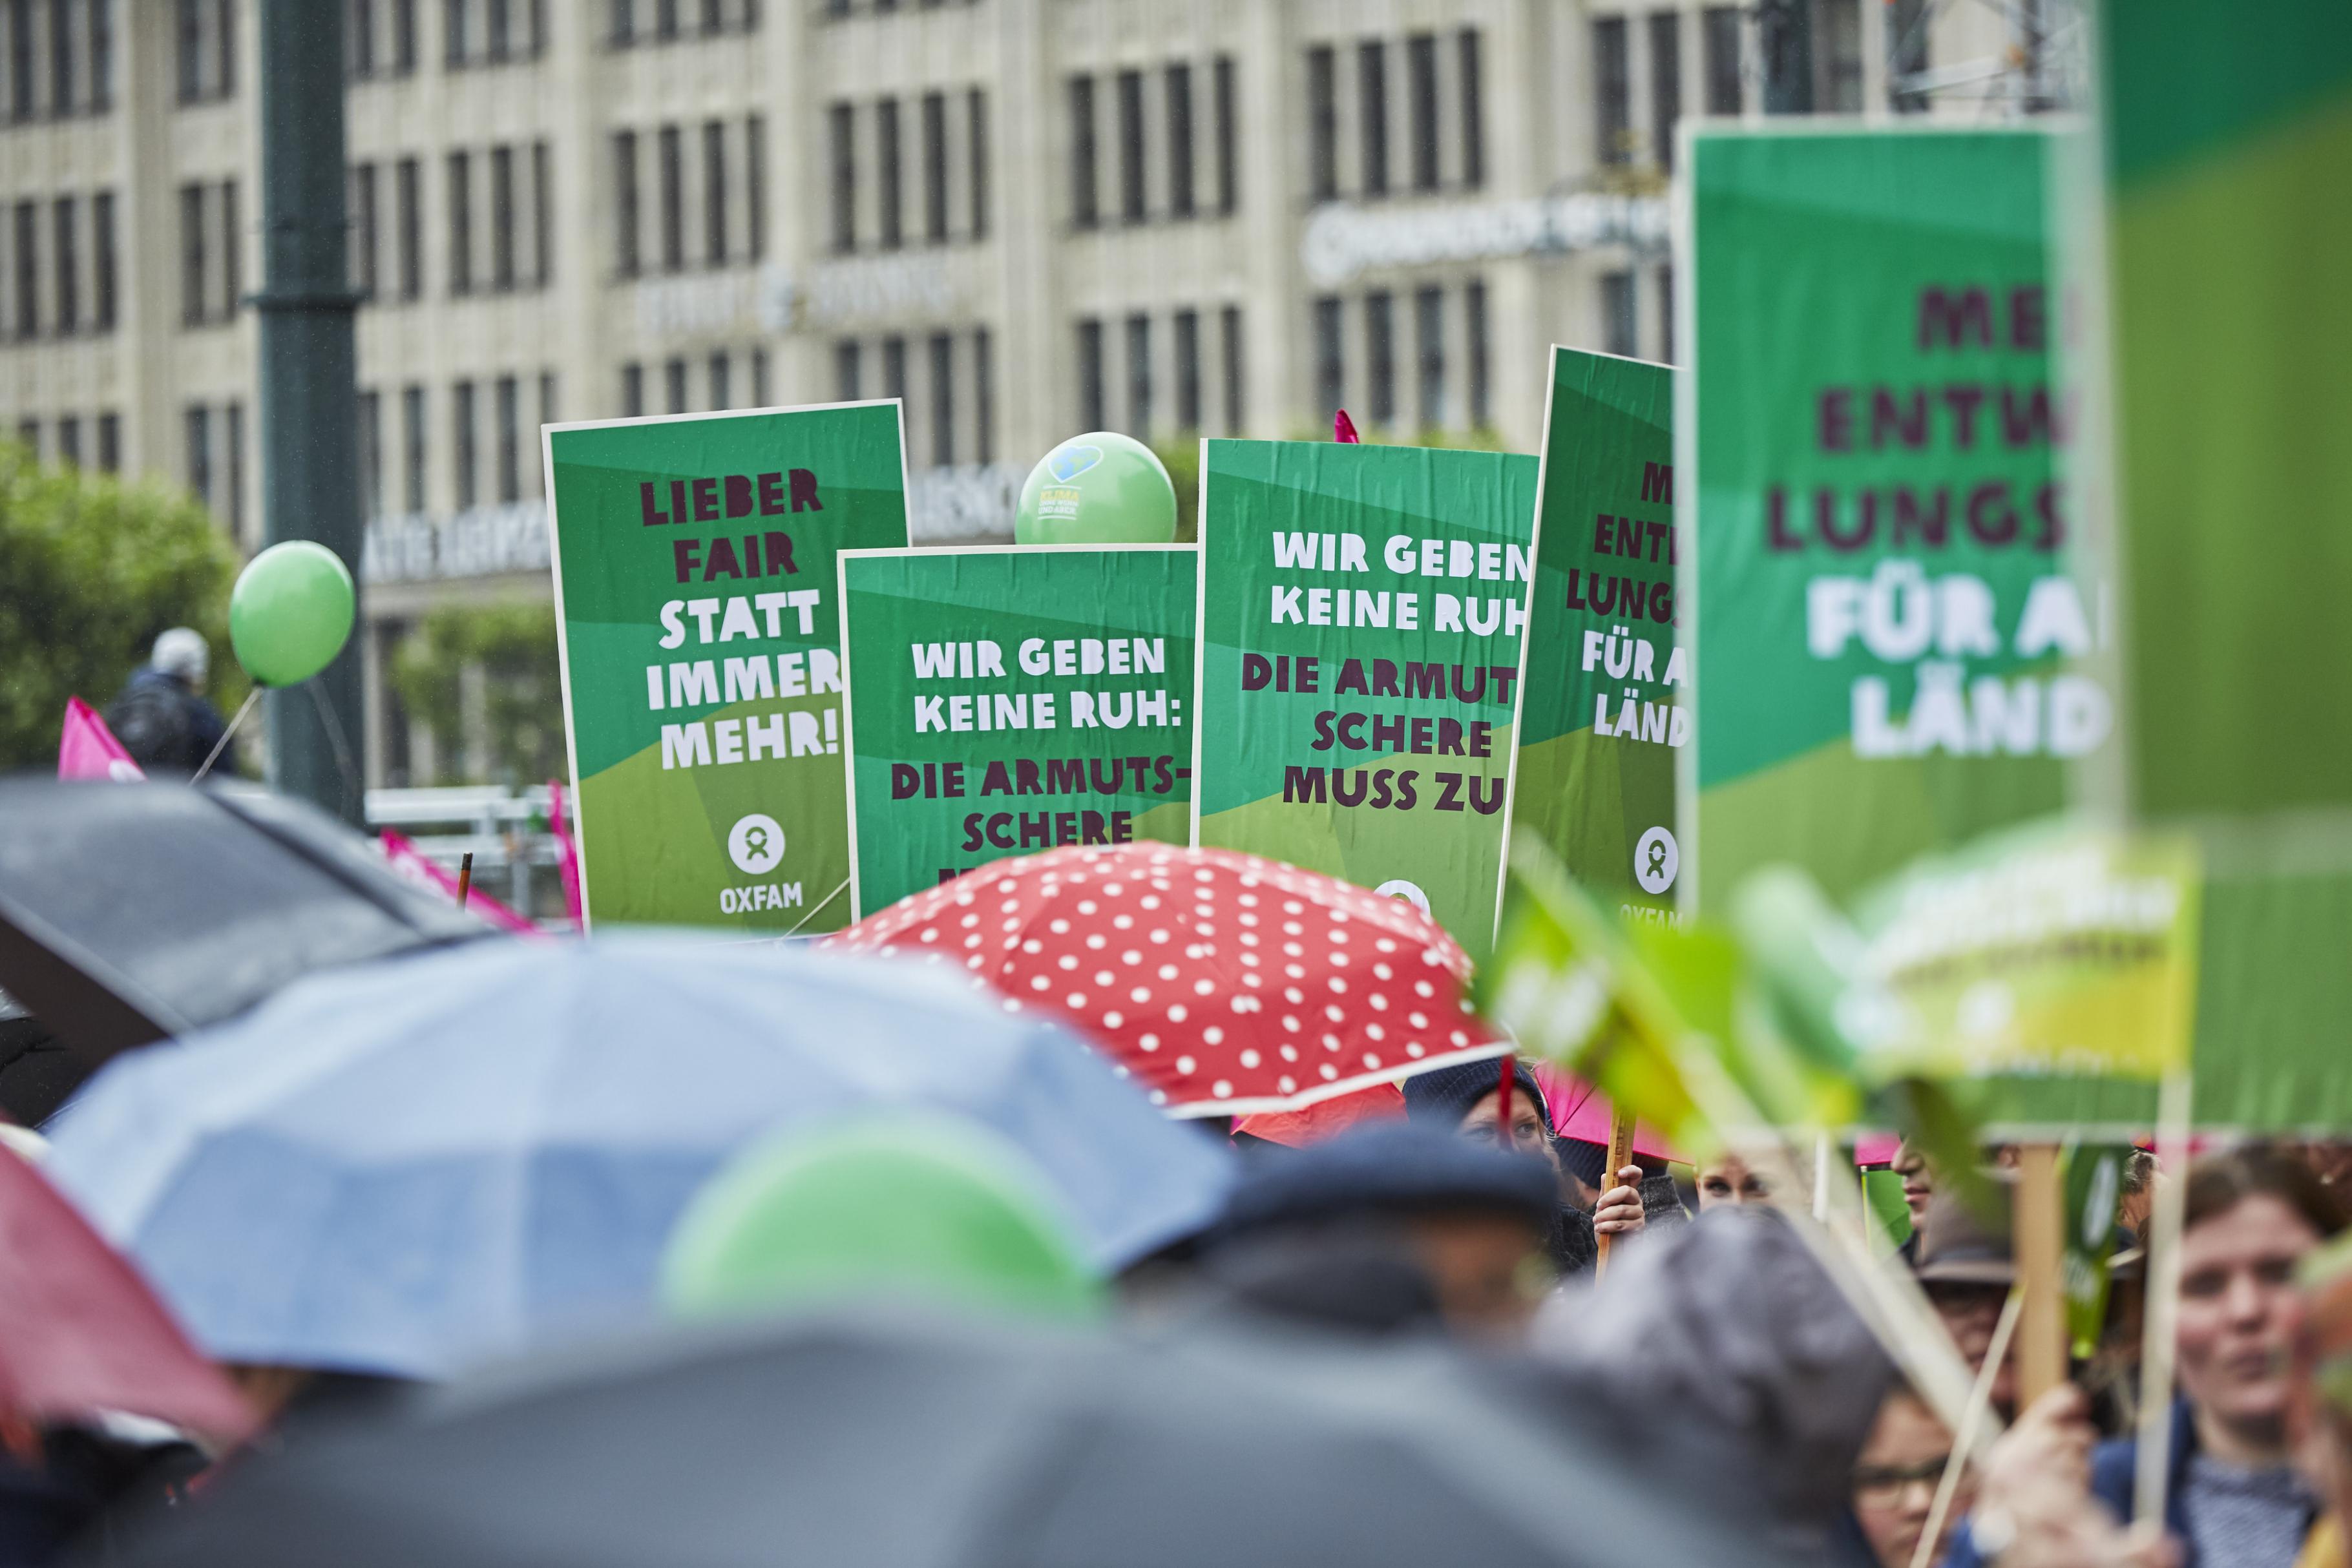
x: 1621, y: 1153
x: 2038, y: 1230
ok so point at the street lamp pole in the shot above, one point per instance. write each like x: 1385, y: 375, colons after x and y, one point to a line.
x: 310, y: 396
x: 1784, y: 38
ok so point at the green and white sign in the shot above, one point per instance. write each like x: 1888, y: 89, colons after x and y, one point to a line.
x: 1604, y: 692
x: 1004, y: 701
x: 1361, y: 613
x: 1890, y: 639
x: 696, y: 605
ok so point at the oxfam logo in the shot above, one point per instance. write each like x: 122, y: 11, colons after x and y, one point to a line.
x: 755, y: 844
x: 1069, y: 462
x: 1655, y: 860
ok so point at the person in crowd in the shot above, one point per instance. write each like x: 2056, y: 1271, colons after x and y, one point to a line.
x: 2138, y: 1201
x: 2320, y: 1415
x: 1895, y: 1480
x: 162, y: 717
x: 1910, y: 1163
x: 1966, y: 1270
x: 1466, y: 1100
x: 2033, y: 1506
x: 1728, y: 1179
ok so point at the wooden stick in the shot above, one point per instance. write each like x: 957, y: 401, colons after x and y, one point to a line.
x: 464, y: 878
x: 1964, y: 1440
x: 1621, y: 1153
x: 2039, y: 1227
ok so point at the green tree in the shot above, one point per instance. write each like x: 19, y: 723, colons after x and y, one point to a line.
x: 91, y: 567
x: 512, y: 643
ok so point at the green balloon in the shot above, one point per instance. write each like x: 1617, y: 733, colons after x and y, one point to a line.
x: 291, y: 612
x: 925, y: 1206
x: 1101, y: 489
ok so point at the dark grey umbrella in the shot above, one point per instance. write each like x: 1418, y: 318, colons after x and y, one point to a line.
x: 132, y: 912
x: 889, y: 1441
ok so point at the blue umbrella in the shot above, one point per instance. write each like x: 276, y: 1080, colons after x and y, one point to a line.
x: 401, y: 1168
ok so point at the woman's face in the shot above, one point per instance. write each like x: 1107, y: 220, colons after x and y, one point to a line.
x: 1728, y: 1180
x: 1895, y: 1480
x: 2240, y: 1314
x: 1918, y: 1186
x: 1527, y: 1126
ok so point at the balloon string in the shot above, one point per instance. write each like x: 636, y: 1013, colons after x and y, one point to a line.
x: 352, y: 792
x: 221, y: 745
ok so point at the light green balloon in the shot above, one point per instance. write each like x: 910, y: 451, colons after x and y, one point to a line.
x: 919, y: 1206
x: 291, y: 612
x: 1100, y: 488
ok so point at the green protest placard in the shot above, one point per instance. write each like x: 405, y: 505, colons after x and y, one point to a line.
x: 1599, y: 723
x: 697, y: 606
x: 1362, y: 611
x: 1002, y: 701
x: 1889, y: 632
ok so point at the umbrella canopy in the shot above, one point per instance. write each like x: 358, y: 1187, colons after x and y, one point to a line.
x: 131, y: 912
x: 1580, y: 1111
x: 397, y: 1167
x: 1224, y: 983
x: 79, y: 1331
x: 893, y: 1442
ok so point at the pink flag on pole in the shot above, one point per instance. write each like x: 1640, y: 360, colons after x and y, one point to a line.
x: 417, y: 867
x: 87, y: 749
x: 1343, y: 429
x: 558, y: 823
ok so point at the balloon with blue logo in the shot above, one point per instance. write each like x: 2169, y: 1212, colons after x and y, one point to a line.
x: 1101, y: 489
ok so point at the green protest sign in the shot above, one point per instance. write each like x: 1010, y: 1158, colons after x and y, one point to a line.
x: 1361, y: 611
x: 1599, y: 722
x: 1002, y: 701
x: 2094, y: 1178
x: 1887, y: 628
x: 696, y: 605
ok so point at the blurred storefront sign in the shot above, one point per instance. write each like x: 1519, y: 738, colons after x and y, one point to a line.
x: 1343, y: 239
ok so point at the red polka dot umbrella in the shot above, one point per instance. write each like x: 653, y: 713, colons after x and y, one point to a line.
x: 1226, y: 984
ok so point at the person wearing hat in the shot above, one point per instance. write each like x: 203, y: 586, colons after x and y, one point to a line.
x: 1466, y: 1100
x: 162, y: 717
x: 1967, y: 1269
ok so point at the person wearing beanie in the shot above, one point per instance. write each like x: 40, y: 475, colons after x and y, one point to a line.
x: 1464, y: 1100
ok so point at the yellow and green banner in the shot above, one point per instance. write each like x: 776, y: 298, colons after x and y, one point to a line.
x: 1362, y: 613
x: 696, y: 604
x: 1005, y: 701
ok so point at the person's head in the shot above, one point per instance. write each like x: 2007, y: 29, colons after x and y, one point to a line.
x: 1895, y: 1478
x: 2250, y: 1217
x: 1918, y: 1183
x: 183, y: 653
x: 1727, y: 1179
x: 1967, y: 1267
x: 1468, y: 1100
x: 2137, y: 1198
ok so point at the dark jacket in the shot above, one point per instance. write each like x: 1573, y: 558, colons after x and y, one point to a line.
x: 165, y: 725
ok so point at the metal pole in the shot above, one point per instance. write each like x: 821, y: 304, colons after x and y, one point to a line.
x: 310, y: 396
x: 1784, y: 36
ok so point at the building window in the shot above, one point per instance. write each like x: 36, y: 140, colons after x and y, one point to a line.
x: 755, y: 186
x: 509, y: 417
x: 843, y: 143
x: 983, y: 397
x: 22, y: 64
x: 61, y: 59
x: 499, y: 45
x: 976, y: 145
x: 672, y: 199
x: 502, y: 218
x: 1719, y: 45
x: 1372, y: 113
x: 1138, y: 376
x: 1474, y: 112
x: 547, y: 397
x: 233, y: 444
x: 371, y: 442
x: 358, y: 37
x: 461, y: 224
x: 102, y: 74
x: 1617, y: 313
x: 412, y: 432
x: 760, y: 378
x: 845, y: 367
x: 1473, y: 311
x: 28, y: 435
x: 621, y: 27
x: 192, y: 258
x: 1907, y: 24
x: 67, y: 220
x: 362, y: 268
x: 1380, y: 356
x: 674, y: 385
x: 714, y: 192
x: 1666, y: 314
x: 102, y: 260
x: 110, y: 444
x: 1179, y: 92
x: 408, y: 199
x: 1084, y: 211
x: 1322, y: 123
x: 942, y: 399
x: 722, y: 390
x: 888, y: 190
x: 633, y: 391
x: 1612, y: 90
x: 1187, y: 325
x: 1429, y: 332
x: 1232, y: 333
x: 542, y: 215
x: 1131, y: 203
x: 1331, y: 367
x: 1421, y: 107
x: 935, y: 167
x: 1228, y: 185
x: 461, y: 449
x: 1666, y: 84
x: 665, y: 19
x: 69, y: 441
x: 404, y: 37
x: 232, y: 252
x: 625, y: 223
x: 204, y: 34
x: 1840, y: 26
x: 1091, y: 411
x: 199, y: 423
x: 893, y: 371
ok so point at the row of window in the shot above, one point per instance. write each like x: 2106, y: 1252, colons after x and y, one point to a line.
x: 633, y: 22
x: 109, y: 427
x: 1436, y: 319
x: 1620, y: 313
x: 512, y: 468
x: 722, y: 389
x: 950, y: 135
x: 944, y: 369
x: 722, y: 178
x: 1137, y: 375
x: 1178, y: 193
x: 380, y: 37
x: 838, y: 9
x: 75, y: 236
x: 60, y: 58
x: 1442, y: 87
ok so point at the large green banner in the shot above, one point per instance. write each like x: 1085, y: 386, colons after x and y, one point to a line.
x: 696, y: 604
x: 1599, y: 719
x: 1361, y: 613
x: 1004, y: 701
x: 1889, y: 633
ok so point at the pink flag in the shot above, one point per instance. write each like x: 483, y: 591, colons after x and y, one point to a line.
x: 558, y: 823
x: 1343, y: 429
x: 413, y: 863
x: 87, y: 749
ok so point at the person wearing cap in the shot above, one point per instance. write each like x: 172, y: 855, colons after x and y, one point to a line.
x: 162, y: 715
x: 1465, y: 1100
x: 1968, y: 1270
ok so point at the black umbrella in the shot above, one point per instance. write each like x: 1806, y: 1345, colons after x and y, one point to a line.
x: 132, y: 912
x: 890, y: 1441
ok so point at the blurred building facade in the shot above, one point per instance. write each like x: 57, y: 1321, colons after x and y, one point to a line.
x: 1025, y: 217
